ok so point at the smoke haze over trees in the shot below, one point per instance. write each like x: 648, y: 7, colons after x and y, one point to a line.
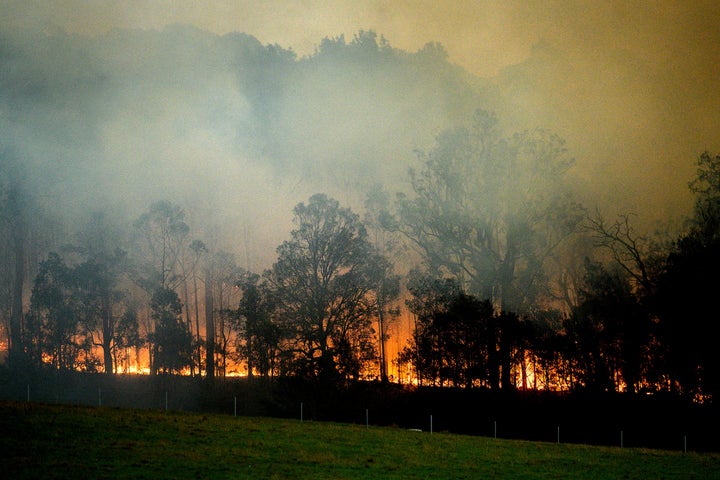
x: 186, y: 151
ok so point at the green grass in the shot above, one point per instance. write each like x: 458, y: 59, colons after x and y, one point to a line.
x: 50, y: 441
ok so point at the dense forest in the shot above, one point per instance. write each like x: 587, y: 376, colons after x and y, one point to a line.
x: 189, y: 203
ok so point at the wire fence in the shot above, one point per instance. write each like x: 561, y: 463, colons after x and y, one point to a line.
x: 626, y: 423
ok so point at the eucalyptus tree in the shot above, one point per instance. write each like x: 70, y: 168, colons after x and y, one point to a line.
x: 14, y: 246
x: 387, y: 290
x: 172, y: 342
x: 161, y: 241
x: 53, y: 326
x: 100, y: 275
x: 490, y: 211
x: 161, y: 238
x: 223, y: 288
x: 198, y: 250
x: 259, y: 337
x: 322, y: 285
x: 127, y: 339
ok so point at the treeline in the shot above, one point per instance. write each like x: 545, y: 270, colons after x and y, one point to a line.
x: 515, y: 284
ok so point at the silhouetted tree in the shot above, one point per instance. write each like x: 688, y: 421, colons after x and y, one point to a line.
x: 53, y: 324
x: 224, y: 291
x: 322, y: 284
x: 189, y: 264
x: 688, y: 287
x: 549, y: 351
x: 259, y: 337
x: 127, y: 338
x: 638, y: 256
x: 172, y: 342
x: 453, y: 339
x: 611, y: 331
x: 198, y: 249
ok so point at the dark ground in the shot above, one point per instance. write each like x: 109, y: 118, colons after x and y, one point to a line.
x: 653, y: 421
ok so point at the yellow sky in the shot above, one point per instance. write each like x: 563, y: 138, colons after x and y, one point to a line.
x: 483, y: 36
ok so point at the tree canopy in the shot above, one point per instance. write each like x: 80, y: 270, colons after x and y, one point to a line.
x: 489, y: 211
x: 322, y: 284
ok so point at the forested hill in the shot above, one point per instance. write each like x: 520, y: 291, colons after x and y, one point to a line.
x: 133, y: 102
x: 133, y: 116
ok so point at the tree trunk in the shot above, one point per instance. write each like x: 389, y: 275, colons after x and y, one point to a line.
x: 188, y: 320
x: 108, y: 333
x: 209, y: 327
x: 493, y: 361
x: 197, y: 321
x: 383, y: 358
x: 16, y: 315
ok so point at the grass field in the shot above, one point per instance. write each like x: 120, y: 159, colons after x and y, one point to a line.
x: 51, y: 441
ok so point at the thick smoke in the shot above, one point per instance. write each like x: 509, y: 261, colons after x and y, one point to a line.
x: 237, y: 131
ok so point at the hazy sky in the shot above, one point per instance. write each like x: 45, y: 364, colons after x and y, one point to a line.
x: 637, y: 95
x: 482, y: 36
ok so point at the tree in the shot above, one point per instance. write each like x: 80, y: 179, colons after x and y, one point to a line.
x: 452, y: 340
x: 160, y: 243
x: 490, y: 211
x: 258, y: 341
x: 172, y: 342
x: 388, y: 289
x: 383, y: 301
x: 209, y: 322
x: 223, y: 288
x: 98, y: 278
x: 14, y: 226
x: 321, y: 285
x: 635, y: 254
x: 198, y: 249
x: 161, y: 240
x: 53, y: 326
x: 549, y: 351
x: 610, y: 330
x: 127, y: 338
x: 73, y: 306
x: 687, y: 289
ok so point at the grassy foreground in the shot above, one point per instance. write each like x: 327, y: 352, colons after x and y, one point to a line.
x: 50, y: 441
